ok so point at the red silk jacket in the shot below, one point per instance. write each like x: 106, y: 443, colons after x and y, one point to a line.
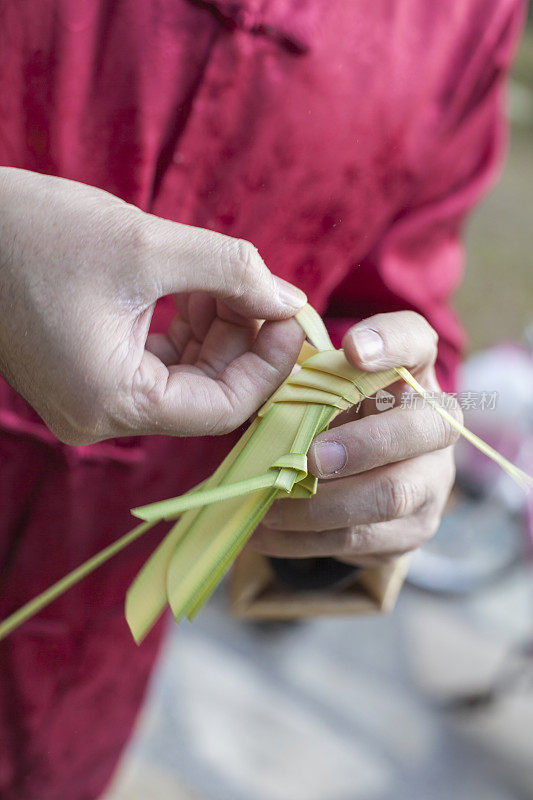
x: 346, y: 140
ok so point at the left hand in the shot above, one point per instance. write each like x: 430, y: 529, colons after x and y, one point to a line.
x: 81, y: 272
x: 384, y: 476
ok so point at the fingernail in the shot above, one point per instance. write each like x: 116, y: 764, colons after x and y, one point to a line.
x: 330, y: 457
x: 368, y: 343
x: 290, y: 295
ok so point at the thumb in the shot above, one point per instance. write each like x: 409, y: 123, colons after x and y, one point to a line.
x: 188, y: 259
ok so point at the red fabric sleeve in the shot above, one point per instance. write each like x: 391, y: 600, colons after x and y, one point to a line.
x: 418, y: 260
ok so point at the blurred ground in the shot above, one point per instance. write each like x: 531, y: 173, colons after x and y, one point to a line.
x: 367, y: 708
x: 342, y: 709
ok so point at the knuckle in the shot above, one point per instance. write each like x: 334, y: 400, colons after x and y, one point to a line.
x: 148, y: 386
x: 446, y: 434
x: 239, y: 259
x: 247, y: 253
x: 141, y: 232
x: 395, y: 498
x: 144, y: 240
x: 425, y: 328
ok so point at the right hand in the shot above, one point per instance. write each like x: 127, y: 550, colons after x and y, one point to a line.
x: 80, y: 273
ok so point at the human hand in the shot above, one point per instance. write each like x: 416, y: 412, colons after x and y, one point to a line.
x: 384, y: 476
x: 80, y: 273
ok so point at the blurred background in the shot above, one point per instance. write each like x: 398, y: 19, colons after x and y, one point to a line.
x: 435, y: 700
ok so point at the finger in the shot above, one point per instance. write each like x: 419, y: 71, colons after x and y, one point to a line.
x: 379, y: 541
x: 397, y: 490
x: 223, y: 311
x: 161, y: 346
x: 183, y: 401
x: 380, y: 439
x: 179, y: 334
x: 182, y: 258
x: 225, y: 342
x: 202, y: 310
x: 181, y: 301
x: 229, y: 335
x: 191, y: 352
x: 403, y: 338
